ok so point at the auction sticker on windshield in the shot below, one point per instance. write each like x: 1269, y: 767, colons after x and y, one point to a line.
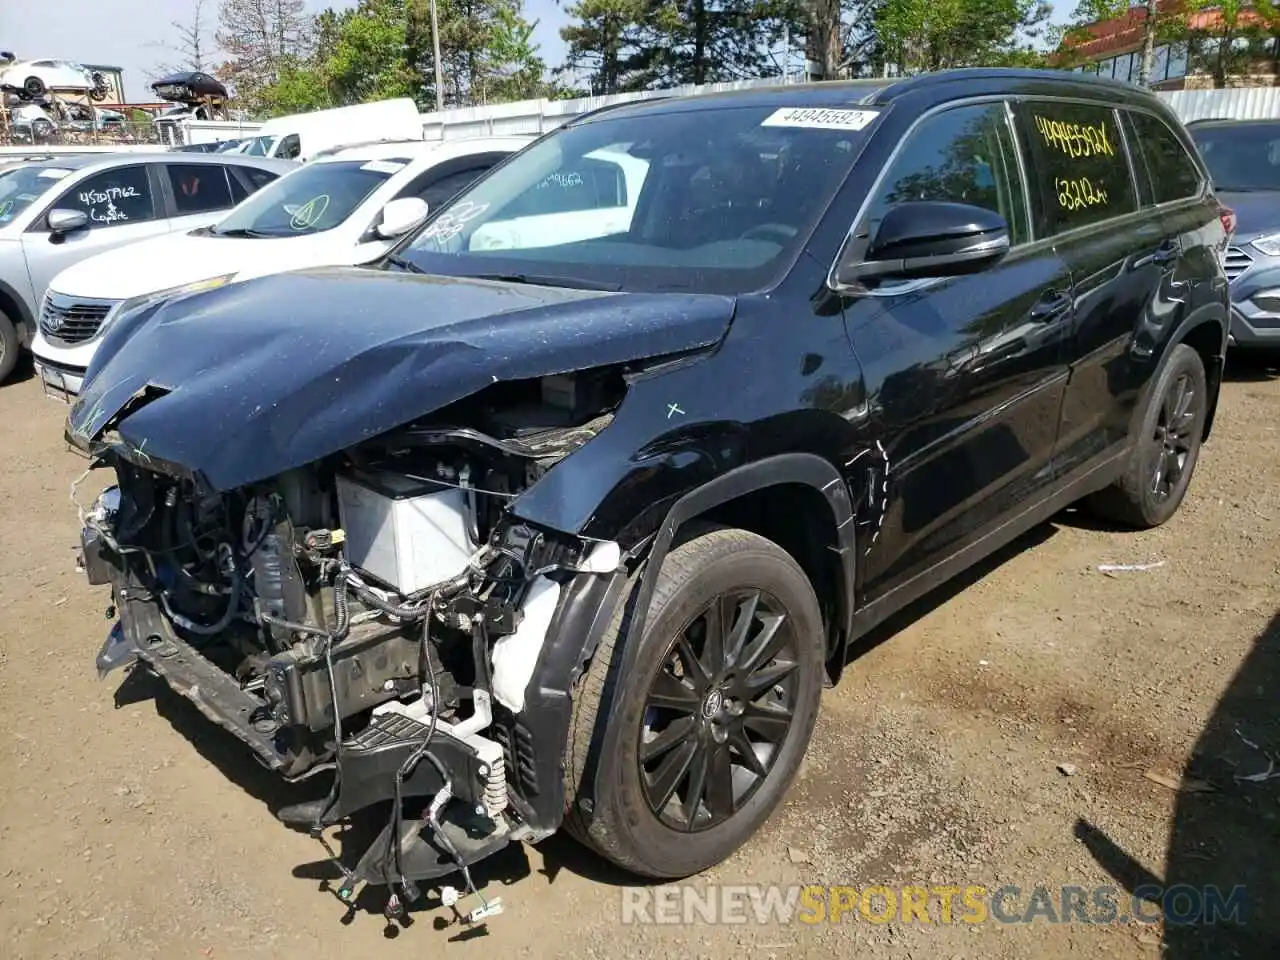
x: 815, y: 118
x: 383, y: 166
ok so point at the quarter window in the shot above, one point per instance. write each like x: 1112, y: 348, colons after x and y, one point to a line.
x: 112, y: 198
x: 1078, y: 160
x: 964, y: 155
x: 441, y: 191
x: 1173, y: 173
x: 257, y: 180
x: 199, y: 188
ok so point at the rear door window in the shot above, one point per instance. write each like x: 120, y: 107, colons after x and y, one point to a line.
x: 199, y: 188
x: 112, y: 198
x: 1076, y: 157
x: 1173, y: 173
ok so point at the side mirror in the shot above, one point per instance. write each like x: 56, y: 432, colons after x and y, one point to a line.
x: 401, y: 216
x: 931, y: 238
x: 62, y: 222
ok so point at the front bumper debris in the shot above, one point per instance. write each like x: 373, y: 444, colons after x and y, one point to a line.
x: 143, y: 634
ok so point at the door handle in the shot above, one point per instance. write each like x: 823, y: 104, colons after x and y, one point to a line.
x: 1167, y: 251
x: 1049, y: 306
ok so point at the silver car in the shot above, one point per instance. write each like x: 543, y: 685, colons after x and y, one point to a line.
x: 56, y: 212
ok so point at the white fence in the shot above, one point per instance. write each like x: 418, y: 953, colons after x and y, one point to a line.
x: 539, y: 116
x: 1237, y: 103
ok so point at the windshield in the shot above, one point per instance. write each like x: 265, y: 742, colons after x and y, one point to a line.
x: 23, y: 186
x: 1241, y: 158
x: 259, y: 146
x: 311, y: 199
x: 715, y: 199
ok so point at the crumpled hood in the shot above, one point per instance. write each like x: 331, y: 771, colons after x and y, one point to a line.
x: 242, y: 382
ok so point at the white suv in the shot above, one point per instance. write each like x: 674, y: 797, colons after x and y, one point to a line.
x: 54, y: 213
x: 345, y: 208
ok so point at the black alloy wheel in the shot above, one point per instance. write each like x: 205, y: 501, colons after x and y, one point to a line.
x: 1173, y: 437
x: 718, y: 711
x: 1164, y: 446
x: 677, y: 757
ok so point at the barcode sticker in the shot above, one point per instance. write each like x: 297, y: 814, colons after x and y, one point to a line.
x: 820, y: 118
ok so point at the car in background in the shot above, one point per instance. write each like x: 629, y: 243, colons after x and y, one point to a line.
x: 32, y: 79
x: 1243, y: 157
x: 345, y: 208
x: 57, y: 212
x: 189, y: 86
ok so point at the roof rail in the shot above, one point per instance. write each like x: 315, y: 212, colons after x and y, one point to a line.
x: 576, y: 118
x: 330, y: 151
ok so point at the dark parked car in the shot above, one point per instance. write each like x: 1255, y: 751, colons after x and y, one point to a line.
x: 549, y: 532
x: 1243, y: 157
x: 188, y: 87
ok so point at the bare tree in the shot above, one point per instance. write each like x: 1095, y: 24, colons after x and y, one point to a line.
x: 192, y: 45
x: 259, y: 38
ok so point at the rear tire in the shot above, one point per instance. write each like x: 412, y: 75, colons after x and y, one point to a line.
x: 693, y: 707
x: 33, y: 87
x: 9, y: 347
x: 1165, y: 449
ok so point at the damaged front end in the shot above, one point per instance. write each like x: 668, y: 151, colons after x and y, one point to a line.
x: 381, y: 613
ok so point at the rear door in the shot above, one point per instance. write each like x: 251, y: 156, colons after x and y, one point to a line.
x: 1118, y: 251
x: 1174, y: 183
x: 967, y: 374
x: 123, y: 204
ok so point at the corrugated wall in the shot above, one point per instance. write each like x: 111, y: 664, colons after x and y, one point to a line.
x: 539, y: 116
x: 1238, y: 103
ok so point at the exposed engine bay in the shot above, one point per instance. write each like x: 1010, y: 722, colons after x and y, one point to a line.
x: 369, y: 614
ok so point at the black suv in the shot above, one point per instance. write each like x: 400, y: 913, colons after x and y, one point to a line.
x: 564, y: 513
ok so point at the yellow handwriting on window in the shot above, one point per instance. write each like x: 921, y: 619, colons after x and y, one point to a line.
x: 1076, y: 140
x: 1079, y: 193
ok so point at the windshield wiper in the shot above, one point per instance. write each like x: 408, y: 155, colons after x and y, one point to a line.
x: 544, y: 280
x: 404, y: 264
x: 240, y: 232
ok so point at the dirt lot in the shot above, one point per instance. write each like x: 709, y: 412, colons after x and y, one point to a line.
x: 132, y: 828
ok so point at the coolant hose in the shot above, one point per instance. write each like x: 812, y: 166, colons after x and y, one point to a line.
x: 209, y: 630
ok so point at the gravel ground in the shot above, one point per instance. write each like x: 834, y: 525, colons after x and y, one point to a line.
x: 1040, y: 723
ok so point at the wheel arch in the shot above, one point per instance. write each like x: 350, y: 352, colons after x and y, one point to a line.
x: 1205, y: 331
x: 12, y: 306
x: 751, y: 497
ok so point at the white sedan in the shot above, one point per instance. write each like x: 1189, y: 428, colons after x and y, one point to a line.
x: 34, y: 78
x: 347, y: 208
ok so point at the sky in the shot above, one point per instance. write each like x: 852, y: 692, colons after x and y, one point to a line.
x: 137, y: 34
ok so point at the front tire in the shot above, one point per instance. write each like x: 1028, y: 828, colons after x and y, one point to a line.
x: 9, y: 347
x: 697, y: 745
x: 33, y: 87
x: 1165, y: 450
